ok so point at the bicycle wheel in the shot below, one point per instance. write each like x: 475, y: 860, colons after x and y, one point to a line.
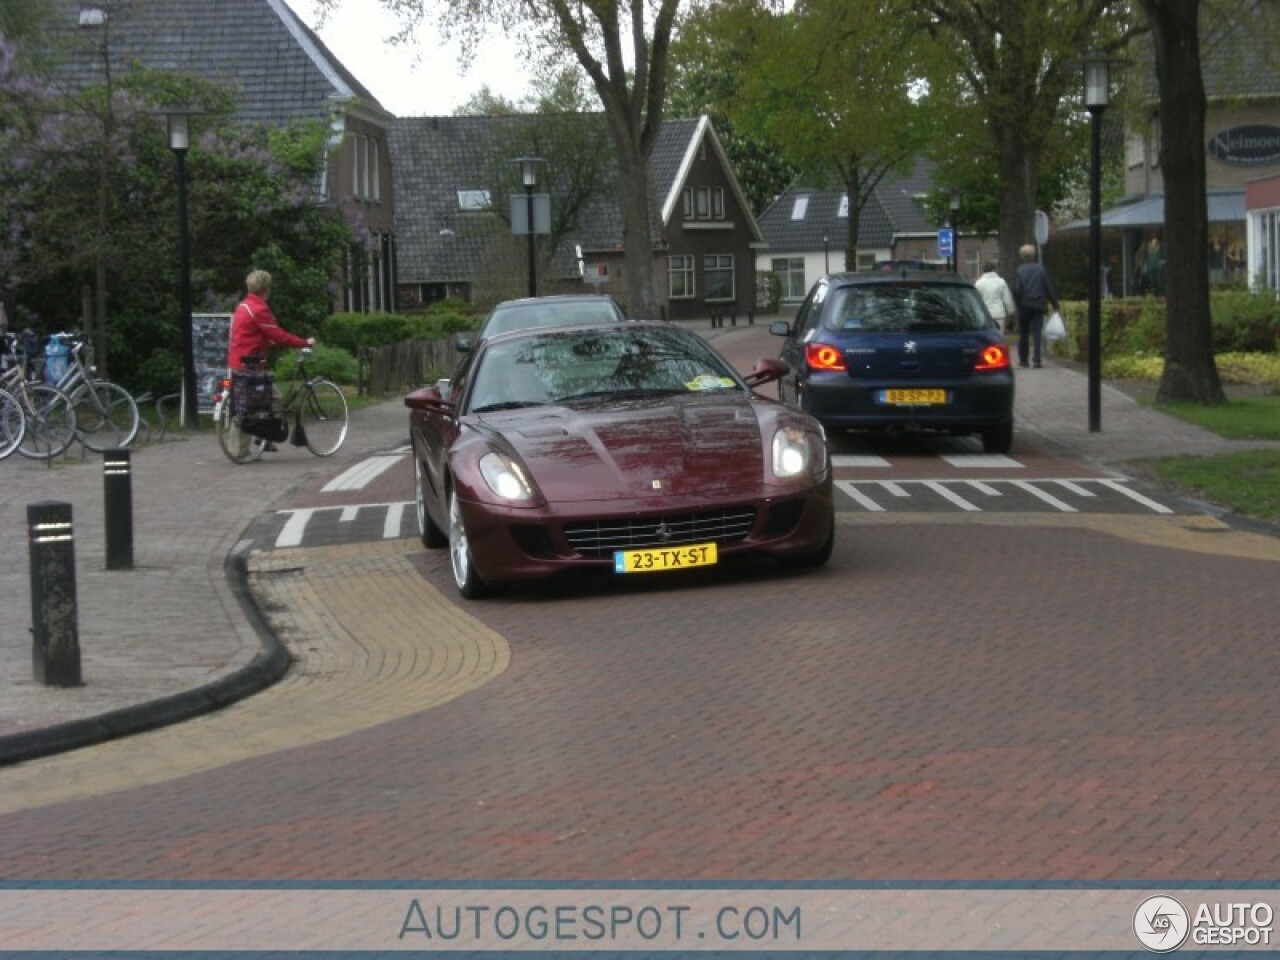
x: 13, y: 423
x: 106, y: 416
x: 240, y: 447
x: 322, y: 413
x: 51, y: 422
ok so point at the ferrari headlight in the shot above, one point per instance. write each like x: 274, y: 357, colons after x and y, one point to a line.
x: 792, y: 452
x: 504, y: 477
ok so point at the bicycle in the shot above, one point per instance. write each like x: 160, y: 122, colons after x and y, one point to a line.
x: 13, y: 423
x: 50, y: 417
x: 318, y: 408
x: 106, y: 415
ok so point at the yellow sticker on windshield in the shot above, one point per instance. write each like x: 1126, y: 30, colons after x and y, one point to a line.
x: 707, y: 381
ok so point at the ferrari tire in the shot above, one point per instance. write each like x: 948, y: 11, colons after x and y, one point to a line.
x: 468, y: 582
x: 433, y: 538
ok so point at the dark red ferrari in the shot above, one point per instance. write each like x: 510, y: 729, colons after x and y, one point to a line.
x: 631, y: 447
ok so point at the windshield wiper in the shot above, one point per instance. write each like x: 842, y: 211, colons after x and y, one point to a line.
x: 623, y: 393
x: 508, y: 405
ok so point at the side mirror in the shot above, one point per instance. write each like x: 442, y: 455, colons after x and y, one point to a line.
x: 766, y: 371
x: 429, y: 400
x: 780, y: 328
x: 463, y: 345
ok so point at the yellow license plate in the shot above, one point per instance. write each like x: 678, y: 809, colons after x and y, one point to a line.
x: 915, y: 398
x: 664, y: 558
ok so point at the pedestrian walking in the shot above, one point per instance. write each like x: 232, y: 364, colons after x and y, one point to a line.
x: 1033, y: 292
x: 997, y: 297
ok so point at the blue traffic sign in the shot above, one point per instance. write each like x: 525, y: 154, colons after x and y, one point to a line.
x: 946, y: 241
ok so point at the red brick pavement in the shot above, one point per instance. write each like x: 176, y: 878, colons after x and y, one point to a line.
x: 944, y: 702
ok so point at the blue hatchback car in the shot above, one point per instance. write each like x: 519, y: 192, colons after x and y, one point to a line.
x: 907, y: 350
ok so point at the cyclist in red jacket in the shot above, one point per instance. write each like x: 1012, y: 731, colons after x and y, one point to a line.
x: 254, y: 327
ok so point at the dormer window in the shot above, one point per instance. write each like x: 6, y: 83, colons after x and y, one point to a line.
x: 703, y: 203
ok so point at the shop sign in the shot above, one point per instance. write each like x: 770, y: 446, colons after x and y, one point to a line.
x: 1247, y: 145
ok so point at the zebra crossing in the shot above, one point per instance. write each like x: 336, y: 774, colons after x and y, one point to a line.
x: 1003, y: 495
x: 861, y: 487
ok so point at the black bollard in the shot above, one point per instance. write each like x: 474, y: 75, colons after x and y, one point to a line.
x: 117, y: 489
x: 55, y: 649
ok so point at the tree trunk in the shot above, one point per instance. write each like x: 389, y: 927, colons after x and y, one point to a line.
x: 1190, y: 371
x: 1018, y: 167
x: 637, y: 230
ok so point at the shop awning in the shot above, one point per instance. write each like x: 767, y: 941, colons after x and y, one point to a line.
x: 1224, y: 207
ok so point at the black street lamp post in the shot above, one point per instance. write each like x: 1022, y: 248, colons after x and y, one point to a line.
x: 955, y: 232
x: 529, y: 176
x: 1097, y: 92
x: 179, y: 143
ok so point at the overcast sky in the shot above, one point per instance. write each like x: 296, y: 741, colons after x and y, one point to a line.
x: 425, y: 80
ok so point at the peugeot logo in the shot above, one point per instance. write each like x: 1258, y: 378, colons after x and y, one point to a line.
x: 910, y: 346
x: 663, y: 533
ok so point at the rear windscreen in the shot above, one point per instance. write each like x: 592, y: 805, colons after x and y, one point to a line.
x: 905, y: 308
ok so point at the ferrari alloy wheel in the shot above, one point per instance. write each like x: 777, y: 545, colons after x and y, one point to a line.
x: 464, y: 570
x: 432, y: 536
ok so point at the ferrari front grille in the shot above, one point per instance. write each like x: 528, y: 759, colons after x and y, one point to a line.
x: 593, y: 538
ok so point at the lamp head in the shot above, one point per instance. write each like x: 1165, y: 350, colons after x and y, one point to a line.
x: 529, y: 169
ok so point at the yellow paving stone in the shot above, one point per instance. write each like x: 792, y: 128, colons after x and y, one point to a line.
x: 372, y: 640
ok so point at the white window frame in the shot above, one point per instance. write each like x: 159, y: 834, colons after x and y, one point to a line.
x: 716, y: 264
x: 789, y: 270
x: 681, y: 277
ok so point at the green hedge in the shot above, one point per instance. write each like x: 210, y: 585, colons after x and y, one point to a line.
x: 351, y: 331
x: 333, y: 363
x: 1243, y: 322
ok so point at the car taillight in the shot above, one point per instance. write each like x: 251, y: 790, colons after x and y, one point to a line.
x: 993, y: 357
x: 823, y: 356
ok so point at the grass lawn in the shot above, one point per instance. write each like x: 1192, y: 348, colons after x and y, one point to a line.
x: 1247, y: 482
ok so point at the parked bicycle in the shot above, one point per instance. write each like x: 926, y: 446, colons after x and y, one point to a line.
x: 13, y: 423
x: 50, y: 417
x: 248, y: 420
x: 106, y: 415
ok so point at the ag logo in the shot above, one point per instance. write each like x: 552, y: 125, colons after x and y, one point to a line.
x: 1161, y: 924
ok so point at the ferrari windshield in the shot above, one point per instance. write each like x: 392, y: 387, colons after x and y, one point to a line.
x: 905, y: 308
x: 626, y: 361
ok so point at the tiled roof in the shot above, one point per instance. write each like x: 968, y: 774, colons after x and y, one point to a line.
x: 435, y: 157
x: 283, y: 70
x: 1239, y: 52
x: 893, y: 210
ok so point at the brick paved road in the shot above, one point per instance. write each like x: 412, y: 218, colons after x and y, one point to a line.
x: 955, y: 700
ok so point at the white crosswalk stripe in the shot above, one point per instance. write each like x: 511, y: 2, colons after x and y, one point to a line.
x: 363, y: 473
x: 1094, y: 494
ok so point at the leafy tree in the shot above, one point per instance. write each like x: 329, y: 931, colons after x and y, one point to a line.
x: 1190, y: 372
x: 1012, y: 65
x: 250, y: 204
x: 851, y: 64
x: 622, y: 46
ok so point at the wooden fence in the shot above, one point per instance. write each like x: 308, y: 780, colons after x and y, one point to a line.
x: 402, y: 366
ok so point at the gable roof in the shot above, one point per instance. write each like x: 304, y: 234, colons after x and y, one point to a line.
x: 893, y: 210
x: 435, y: 157
x: 282, y: 69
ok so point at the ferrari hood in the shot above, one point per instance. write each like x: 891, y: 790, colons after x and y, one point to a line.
x: 683, y: 445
